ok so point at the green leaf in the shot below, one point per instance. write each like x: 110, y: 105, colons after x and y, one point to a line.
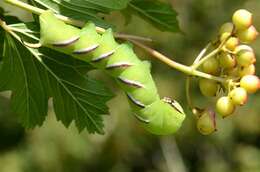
x: 84, y: 9
x: 20, y: 74
x: 159, y: 14
x: 75, y: 96
x: 34, y: 76
x: 103, y: 6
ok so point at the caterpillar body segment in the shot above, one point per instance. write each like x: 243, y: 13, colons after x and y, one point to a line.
x: 120, y: 62
x: 163, y: 123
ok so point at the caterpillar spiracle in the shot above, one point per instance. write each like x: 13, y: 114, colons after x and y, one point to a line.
x: 159, y: 116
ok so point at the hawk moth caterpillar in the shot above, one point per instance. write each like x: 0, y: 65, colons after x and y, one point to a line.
x: 159, y: 116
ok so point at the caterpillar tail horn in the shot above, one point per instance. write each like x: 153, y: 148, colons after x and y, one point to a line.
x: 160, y: 117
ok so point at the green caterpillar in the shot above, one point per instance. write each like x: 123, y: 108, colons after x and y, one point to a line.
x: 119, y: 61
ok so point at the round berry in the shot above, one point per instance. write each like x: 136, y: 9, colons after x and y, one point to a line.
x: 250, y: 83
x: 211, y: 66
x: 238, y: 96
x: 224, y: 36
x: 247, y: 35
x: 206, y: 123
x: 249, y: 70
x: 245, y: 58
x: 208, y: 87
x: 243, y: 47
x: 225, y: 106
x: 226, y: 28
x: 226, y: 60
x: 232, y: 43
x: 242, y: 19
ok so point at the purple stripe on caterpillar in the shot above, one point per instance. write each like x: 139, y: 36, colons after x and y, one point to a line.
x: 86, y: 50
x: 136, y: 102
x: 172, y: 103
x: 103, y: 56
x: 118, y: 65
x: 147, y: 121
x: 131, y: 83
x: 66, y: 42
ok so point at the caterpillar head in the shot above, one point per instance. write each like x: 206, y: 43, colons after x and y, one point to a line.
x: 163, y: 117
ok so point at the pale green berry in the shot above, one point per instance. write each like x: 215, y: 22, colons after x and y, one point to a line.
x: 242, y: 19
x: 238, y: 96
x: 224, y: 36
x: 208, y: 87
x: 211, y: 66
x: 250, y: 83
x: 206, y: 123
x: 225, y: 106
x: 249, y: 70
x: 226, y: 28
x: 226, y: 60
x: 245, y: 58
x: 247, y: 35
x: 243, y: 47
x: 232, y: 43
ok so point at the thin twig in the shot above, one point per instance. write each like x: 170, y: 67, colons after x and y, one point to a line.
x: 202, y: 53
x: 134, y: 37
x: 188, y: 95
x: 210, y: 55
x: 183, y: 68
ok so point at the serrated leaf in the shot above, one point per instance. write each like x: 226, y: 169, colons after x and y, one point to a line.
x: 159, y: 14
x: 35, y: 76
x: 75, y: 96
x: 19, y: 73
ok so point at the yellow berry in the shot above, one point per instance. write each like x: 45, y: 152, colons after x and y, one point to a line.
x: 206, y: 123
x: 211, y: 66
x: 243, y: 47
x: 250, y: 83
x: 242, y: 19
x: 208, y: 87
x: 249, y: 70
x: 247, y: 35
x: 245, y: 58
x: 226, y: 28
x: 225, y: 106
x: 232, y: 43
x: 226, y: 60
x: 238, y: 96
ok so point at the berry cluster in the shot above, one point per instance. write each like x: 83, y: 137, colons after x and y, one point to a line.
x: 234, y: 62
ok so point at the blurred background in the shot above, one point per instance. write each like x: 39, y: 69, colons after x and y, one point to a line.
x: 126, y: 147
